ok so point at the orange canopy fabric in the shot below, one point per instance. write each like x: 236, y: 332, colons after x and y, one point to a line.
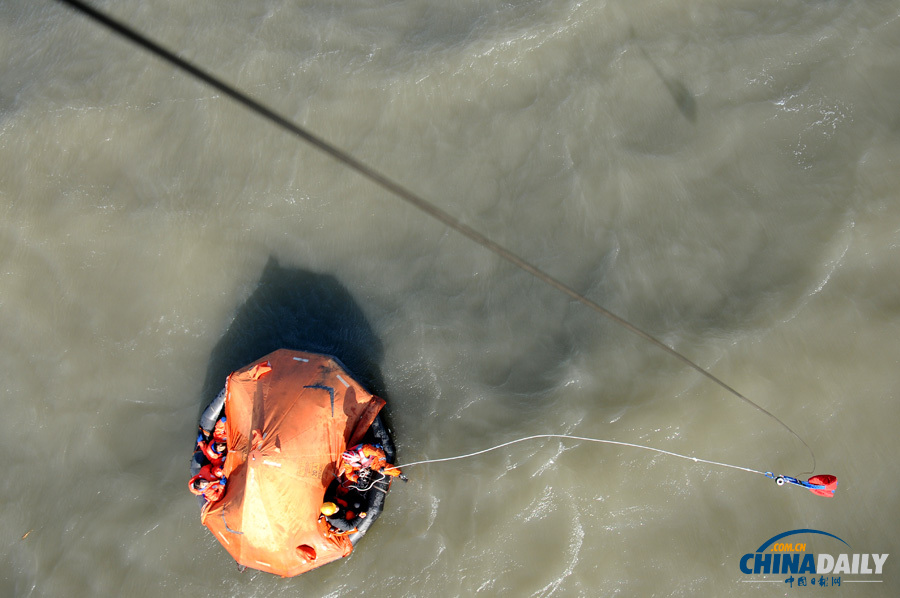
x: 290, y: 415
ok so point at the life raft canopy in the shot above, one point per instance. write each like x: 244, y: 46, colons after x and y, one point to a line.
x: 289, y: 418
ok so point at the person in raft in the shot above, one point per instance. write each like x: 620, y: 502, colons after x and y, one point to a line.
x: 212, y: 444
x: 213, y: 450
x: 336, y: 519
x: 359, y: 462
x: 208, y: 484
x: 209, y: 481
x: 217, y: 434
x: 342, y: 516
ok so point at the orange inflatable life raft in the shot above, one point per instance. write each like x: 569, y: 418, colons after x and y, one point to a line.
x: 288, y: 418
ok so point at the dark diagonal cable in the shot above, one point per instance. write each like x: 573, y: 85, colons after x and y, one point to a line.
x: 401, y: 192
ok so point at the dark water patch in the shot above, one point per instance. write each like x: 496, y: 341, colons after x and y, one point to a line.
x: 682, y: 96
x: 297, y: 309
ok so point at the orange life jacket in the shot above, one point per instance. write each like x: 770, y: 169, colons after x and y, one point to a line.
x: 210, y: 473
x: 209, y: 451
x: 216, y: 488
x: 365, y: 456
x: 219, y: 434
x: 214, y: 492
x: 329, y: 531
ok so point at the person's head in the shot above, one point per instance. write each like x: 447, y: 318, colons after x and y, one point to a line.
x: 220, y: 447
x: 201, y: 484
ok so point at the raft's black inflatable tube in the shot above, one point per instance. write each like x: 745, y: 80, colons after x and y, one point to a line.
x: 213, y: 412
x: 377, y: 434
x: 208, y: 420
